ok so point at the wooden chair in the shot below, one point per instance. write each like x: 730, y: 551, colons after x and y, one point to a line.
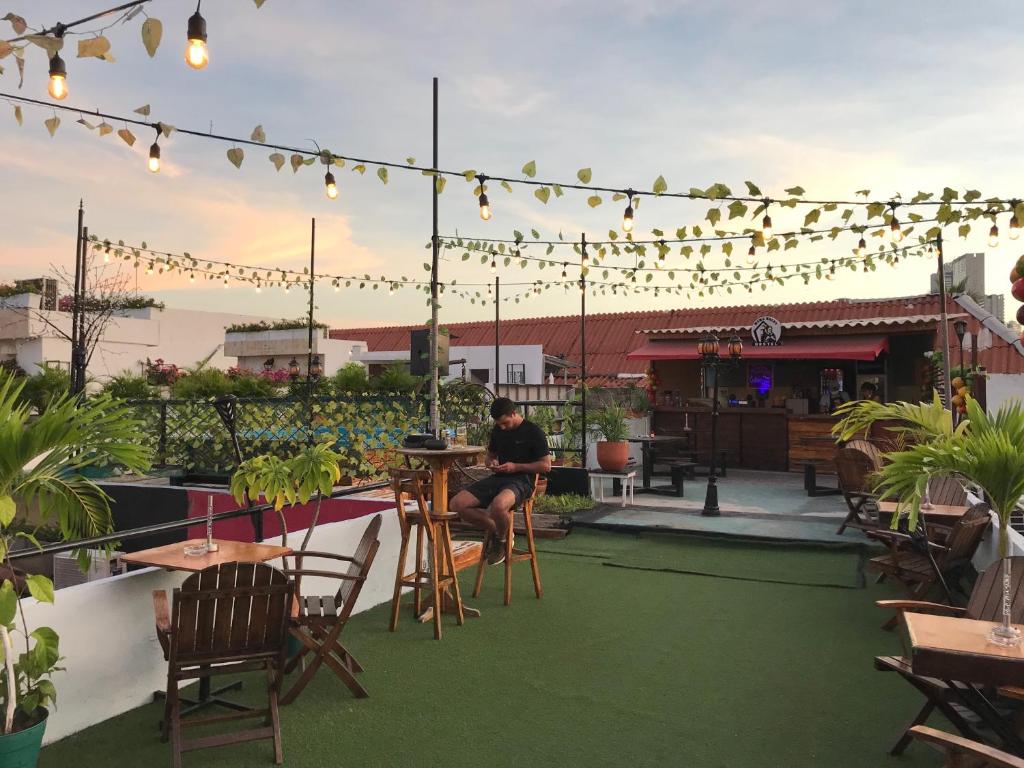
x: 318, y: 621
x: 225, y: 619
x: 965, y: 753
x: 432, y: 530
x: 512, y: 555
x: 985, y: 604
x: 919, y: 568
x: 869, y: 448
x: 947, y: 490
x: 854, y: 470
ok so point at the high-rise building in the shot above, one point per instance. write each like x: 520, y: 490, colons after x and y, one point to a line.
x: 965, y: 274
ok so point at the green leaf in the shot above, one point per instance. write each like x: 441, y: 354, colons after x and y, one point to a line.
x: 714, y: 215
x: 40, y: 587
x: 8, y: 603
x: 7, y: 510
x: 382, y: 174
x: 737, y: 208
x: 506, y: 186
x: 584, y: 175
x: 795, y: 191
x: 439, y: 183
x: 542, y: 194
x: 660, y: 185
x: 593, y: 201
x: 812, y: 216
x: 470, y: 175
x: 530, y: 169
x: 752, y: 188
x: 360, y: 168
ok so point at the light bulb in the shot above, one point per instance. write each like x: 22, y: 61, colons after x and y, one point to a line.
x: 191, y: 277
x: 258, y: 289
x: 58, y: 86
x: 106, y: 258
x: 149, y: 270
x: 895, y: 233
x: 993, y: 237
x: 154, y: 158
x: 1014, y: 227
x: 751, y: 254
x: 766, y: 227
x: 331, y: 186
x: 225, y: 283
x: 627, y: 217
x: 485, y: 207
x: 196, y: 55
x: 494, y: 267
x: 862, y: 246
x: 337, y: 288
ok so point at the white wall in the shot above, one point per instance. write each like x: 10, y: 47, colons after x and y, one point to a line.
x: 530, y: 355
x: 108, y: 638
x: 1002, y: 387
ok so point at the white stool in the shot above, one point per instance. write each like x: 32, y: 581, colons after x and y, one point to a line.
x: 626, y: 478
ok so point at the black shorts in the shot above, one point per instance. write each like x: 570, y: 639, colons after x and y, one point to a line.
x: 487, y: 489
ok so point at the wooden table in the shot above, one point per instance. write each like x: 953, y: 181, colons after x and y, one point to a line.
x: 647, y: 444
x: 440, y: 462
x: 942, y: 514
x: 172, y: 557
x: 957, y: 652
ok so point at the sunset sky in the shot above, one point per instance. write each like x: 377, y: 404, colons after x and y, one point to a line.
x: 832, y: 96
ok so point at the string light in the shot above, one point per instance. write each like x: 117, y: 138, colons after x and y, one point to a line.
x: 191, y: 277
x: 627, y: 216
x: 1014, y: 222
x: 485, y: 206
x: 993, y: 235
x: 225, y: 283
x: 895, y: 231
x: 494, y: 266
x: 862, y: 246
x: 154, y: 154
x: 258, y: 289
x: 58, y: 87
x: 766, y: 223
x: 331, y: 186
x: 565, y: 264
x: 196, y: 54
x: 149, y: 269
x: 752, y: 252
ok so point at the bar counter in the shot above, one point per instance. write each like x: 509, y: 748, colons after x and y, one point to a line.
x: 754, y: 438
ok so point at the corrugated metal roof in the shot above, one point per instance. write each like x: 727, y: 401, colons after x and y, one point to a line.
x: 611, y: 336
x: 861, y: 322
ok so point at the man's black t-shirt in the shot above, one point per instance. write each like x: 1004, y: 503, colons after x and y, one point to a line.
x: 522, y: 445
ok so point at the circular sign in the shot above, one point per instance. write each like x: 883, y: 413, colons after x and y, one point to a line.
x: 766, y: 331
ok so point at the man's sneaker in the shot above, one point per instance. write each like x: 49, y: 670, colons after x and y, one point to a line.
x: 496, y: 552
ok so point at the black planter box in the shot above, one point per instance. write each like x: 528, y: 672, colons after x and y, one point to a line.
x: 562, y: 480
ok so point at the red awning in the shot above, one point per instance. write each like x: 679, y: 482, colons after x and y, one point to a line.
x: 805, y: 348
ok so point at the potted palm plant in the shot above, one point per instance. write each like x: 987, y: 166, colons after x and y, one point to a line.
x: 42, y: 461
x: 986, y: 450
x: 608, y: 425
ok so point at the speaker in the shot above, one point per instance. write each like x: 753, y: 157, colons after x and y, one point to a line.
x: 419, y: 353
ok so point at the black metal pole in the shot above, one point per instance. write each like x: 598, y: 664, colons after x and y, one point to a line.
x: 435, y: 415
x: 944, y: 323
x: 583, y: 347
x: 309, y: 341
x: 711, y: 496
x: 497, y: 330
x: 79, y: 353
x: 75, y: 305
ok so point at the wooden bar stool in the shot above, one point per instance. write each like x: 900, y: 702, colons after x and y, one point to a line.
x: 540, y: 485
x: 433, y: 531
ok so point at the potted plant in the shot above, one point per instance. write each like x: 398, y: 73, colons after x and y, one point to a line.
x: 312, y: 472
x: 986, y: 450
x: 42, y: 461
x: 609, y: 425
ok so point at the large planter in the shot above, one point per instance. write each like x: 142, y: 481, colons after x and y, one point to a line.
x: 21, y: 748
x: 613, y: 457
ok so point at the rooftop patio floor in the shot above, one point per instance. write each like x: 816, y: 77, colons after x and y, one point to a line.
x: 646, y: 650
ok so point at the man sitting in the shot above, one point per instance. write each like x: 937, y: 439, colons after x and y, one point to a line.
x: 517, y: 451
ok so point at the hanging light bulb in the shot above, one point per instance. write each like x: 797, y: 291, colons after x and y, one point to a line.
x: 106, y: 258
x: 895, y: 232
x: 391, y: 290
x: 564, y: 266
x: 258, y: 289
x: 862, y: 246
x: 149, y: 269
x: 627, y: 216
x: 337, y: 288
x: 766, y: 223
x: 154, y: 158
x: 1014, y: 227
x: 225, y: 283
x: 191, y: 277
x: 993, y: 236
x: 485, y: 206
x: 331, y: 186
x: 196, y: 54
x: 58, y: 86
x: 494, y: 266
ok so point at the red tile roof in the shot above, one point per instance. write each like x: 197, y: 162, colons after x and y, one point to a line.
x: 611, y: 336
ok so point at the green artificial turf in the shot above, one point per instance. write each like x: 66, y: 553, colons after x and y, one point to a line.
x: 614, y: 667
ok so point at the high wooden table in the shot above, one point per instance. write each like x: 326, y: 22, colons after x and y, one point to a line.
x: 172, y: 557
x: 440, y: 463
x: 941, y: 514
x: 957, y: 652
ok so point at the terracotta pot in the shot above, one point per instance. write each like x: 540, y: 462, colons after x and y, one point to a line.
x: 612, y: 457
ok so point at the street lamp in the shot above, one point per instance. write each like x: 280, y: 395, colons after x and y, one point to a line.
x: 268, y: 364
x: 709, y: 350
x: 293, y: 369
x: 960, y: 328
x: 315, y: 369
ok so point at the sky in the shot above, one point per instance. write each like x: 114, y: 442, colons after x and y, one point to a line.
x: 832, y: 96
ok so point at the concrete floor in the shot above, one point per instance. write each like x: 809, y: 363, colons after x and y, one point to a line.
x: 771, y: 505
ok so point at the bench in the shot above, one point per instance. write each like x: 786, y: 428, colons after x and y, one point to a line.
x: 811, y: 478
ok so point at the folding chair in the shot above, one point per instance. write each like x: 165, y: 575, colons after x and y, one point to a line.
x: 318, y: 621
x: 225, y: 619
x: 985, y: 604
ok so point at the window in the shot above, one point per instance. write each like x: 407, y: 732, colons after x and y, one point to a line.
x: 515, y: 373
x: 480, y: 375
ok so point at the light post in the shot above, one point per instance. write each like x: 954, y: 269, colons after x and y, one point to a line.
x: 293, y: 369
x: 709, y: 350
x: 960, y: 329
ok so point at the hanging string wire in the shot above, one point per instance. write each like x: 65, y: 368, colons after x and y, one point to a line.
x: 59, y: 29
x: 792, y: 201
